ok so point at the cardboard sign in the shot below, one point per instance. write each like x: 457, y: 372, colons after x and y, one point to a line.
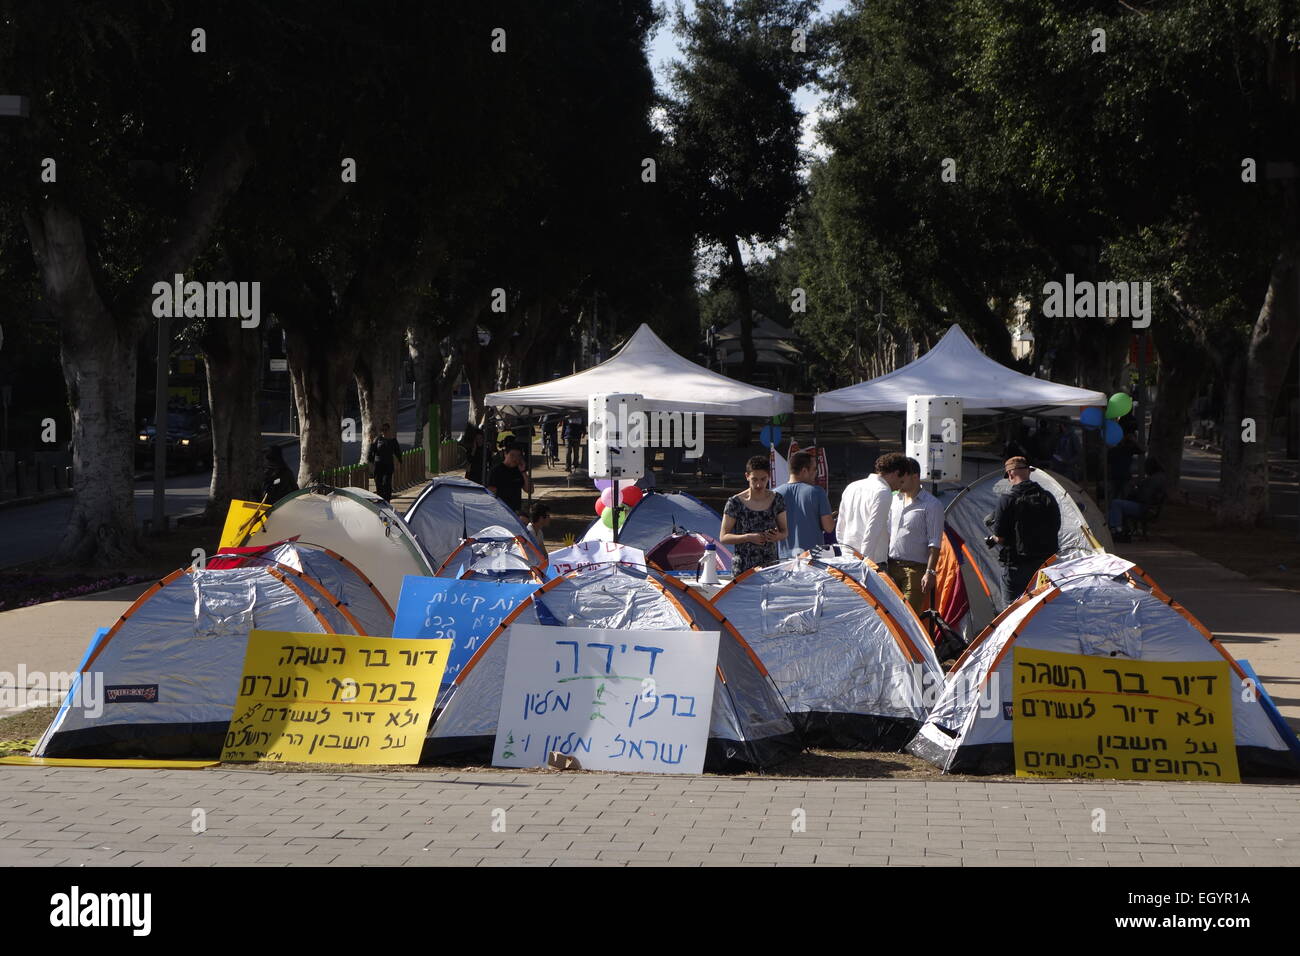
x: 613, y: 699
x: 334, y: 698
x: 463, y: 612
x: 586, y: 553
x: 1074, y: 715
x: 243, y: 518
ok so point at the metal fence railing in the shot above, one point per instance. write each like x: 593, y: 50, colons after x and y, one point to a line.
x: 410, y: 469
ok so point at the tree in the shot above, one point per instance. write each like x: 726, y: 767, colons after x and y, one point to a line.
x: 100, y: 239
x: 734, y: 129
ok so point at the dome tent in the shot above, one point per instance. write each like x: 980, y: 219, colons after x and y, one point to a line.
x: 449, y: 510
x: 355, y: 523
x: 681, y: 551
x: 748, y: 728
x: 657, y: 517
x: 493, y: 554
x: 1083, y: 531
x: 845, y: 649
x: 351, y: 601
x: 175, y: 657
x: 1098, y: 605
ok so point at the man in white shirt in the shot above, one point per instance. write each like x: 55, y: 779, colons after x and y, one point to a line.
x: 864, y: 509
x: 915, y: 535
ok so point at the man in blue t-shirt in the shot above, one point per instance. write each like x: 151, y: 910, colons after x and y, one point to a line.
x: 808, y: 509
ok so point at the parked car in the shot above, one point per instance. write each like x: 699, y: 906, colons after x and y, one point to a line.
x: 189, y: 441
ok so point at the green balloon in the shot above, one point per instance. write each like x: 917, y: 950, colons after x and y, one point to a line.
x: 607, y: 516
x: 1119, y: 405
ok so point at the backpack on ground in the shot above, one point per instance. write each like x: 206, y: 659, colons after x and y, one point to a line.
x: 1038, y: 522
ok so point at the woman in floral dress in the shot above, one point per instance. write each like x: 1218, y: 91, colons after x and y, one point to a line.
x: 754, y: 520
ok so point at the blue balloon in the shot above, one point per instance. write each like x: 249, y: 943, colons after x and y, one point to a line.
x: 1114, y: 434
x: 1092, y: 417
x: 769, y: 435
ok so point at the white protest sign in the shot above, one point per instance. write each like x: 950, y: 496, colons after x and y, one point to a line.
x: 586, y: 553
x: 615, y: 699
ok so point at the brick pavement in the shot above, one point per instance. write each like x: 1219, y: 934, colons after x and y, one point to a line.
x: 90, y: 817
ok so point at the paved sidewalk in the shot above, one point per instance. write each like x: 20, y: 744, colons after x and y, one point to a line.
x: 76, y: 817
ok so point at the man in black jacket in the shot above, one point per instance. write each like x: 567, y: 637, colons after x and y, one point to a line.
x: 383, y: 456
x: 1025, y: 525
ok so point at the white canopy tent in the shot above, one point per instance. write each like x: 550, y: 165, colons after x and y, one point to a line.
x: 669, y: 383
x: 956, y: 367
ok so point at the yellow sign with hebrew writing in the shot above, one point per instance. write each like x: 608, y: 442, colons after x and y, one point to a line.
x: 335, y: 698
x: 243, y: 518
x: 1074, y: 715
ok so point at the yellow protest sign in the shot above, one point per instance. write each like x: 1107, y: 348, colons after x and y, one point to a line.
x: 335, y: 698
x: 1074, y: 715
x: 243, y: 518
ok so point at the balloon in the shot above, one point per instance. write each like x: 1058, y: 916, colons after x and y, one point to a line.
x: 607, y: 497
x: 600, y: 507
x: 1119, y: 405
x: 769, y: 435
x: 1114, y: 434
x: 607, y: 516
x: 631, y: 495
x: 1092, y: 417
x: 603, y: 483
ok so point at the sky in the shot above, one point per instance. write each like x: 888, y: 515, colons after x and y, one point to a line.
x: 666, y: 47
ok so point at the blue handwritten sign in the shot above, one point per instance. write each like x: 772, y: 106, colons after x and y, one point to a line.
x: 629, y: 700
x: 467, y: 612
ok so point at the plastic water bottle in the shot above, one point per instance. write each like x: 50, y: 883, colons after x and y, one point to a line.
x: 708, y: 573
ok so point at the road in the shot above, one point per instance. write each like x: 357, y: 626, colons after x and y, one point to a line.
x: 32, y: 532
x: 1200, y: 476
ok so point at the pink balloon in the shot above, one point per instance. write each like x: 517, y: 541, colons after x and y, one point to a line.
x: 607, y: 497
x: 631, y: 495
x: 603, y: 483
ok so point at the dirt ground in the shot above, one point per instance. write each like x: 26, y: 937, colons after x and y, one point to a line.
x: 1267, y: 555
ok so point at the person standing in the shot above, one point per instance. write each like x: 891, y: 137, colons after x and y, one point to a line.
x: 573, y: 432
x: 754, y: 522
x: 807, y: 507
x: 383, y: 459
x: 277, y: 479
x: 509, y: 480
x: 1120, y: 463
x: 539, y: 517
x: 915, y: 535
x: 472, y: 442
x: 1026, y: 525
x: 864, y: 509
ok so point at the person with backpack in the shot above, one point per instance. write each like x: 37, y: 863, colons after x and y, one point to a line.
x: 1025, y: 526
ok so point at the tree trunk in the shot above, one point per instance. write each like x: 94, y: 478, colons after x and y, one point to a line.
x: 378, y: 370
x: 1253, y: 395
x: 319, y: 367
x: 480, y: 372
x: 422, y: 350
x: 1182, y: 365
x: 233, y: 358
x: 99, y: 367
x: 100, y: 371
x: 446, y: 386
x: 744, y: 302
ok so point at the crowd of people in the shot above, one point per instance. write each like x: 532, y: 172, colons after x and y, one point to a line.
x: 888, y: 517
